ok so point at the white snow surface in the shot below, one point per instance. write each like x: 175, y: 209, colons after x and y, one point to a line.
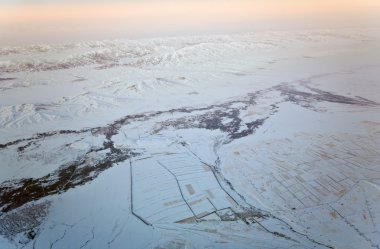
x: 261, y: 140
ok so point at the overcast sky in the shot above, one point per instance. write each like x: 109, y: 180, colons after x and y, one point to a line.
x: 52, y: 21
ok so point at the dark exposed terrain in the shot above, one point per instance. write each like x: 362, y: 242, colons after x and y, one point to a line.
x: 225, y: 117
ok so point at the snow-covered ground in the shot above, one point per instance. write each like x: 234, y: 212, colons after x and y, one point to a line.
x: 262, y: 140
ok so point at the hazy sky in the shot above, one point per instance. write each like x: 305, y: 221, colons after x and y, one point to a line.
x: 44, y: 21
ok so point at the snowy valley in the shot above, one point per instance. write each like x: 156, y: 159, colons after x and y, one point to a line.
x: 262, y: 140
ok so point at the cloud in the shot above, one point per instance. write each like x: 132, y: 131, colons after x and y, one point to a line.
x: 100, y: 19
